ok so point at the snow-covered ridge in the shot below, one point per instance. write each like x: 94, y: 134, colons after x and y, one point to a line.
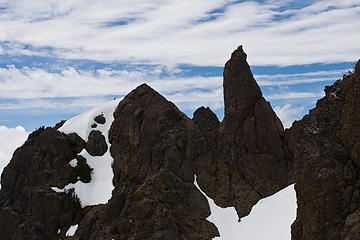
x: 100, y: 187
x: 270, y: 218
x: 81, y: 124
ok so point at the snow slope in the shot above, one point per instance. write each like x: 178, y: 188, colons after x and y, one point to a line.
x: 100, y: 187
x: 269, y: 219
x: 10, y: 139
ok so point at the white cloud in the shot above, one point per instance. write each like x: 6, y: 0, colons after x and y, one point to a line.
x: 73, y: 90
x: 288, y: 95
x: 298, y: 78
x: 288, y: 114
x: 72, y: 105
x: 171, y: 32
x: 191, y: 100
x: 27, y: 83
x: 10, y: 139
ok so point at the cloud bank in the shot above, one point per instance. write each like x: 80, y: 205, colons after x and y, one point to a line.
x: 10, y: 139
x: 182, y: 31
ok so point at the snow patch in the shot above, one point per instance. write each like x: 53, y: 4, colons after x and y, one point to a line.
x: 58, y: 190
x: 81, y: 124
x: 72, y: 230
x: 100, y: 187
x: 73, y: 163
x: 270, y: 218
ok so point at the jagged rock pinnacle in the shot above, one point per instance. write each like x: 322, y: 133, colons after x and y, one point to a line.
x: 241, y: 91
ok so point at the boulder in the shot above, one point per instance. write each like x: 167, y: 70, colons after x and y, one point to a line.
x: 96, y: 144
x: 100, y: 119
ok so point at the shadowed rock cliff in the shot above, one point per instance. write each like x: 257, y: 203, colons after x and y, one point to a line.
x: 246, y: 148
x: 325, y: 148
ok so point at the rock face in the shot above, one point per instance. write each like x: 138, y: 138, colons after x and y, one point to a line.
x: 96, y: 144
x: 246, y: 148
x: 157, y: 151
x: 325, y: 148
x: 29, y: 208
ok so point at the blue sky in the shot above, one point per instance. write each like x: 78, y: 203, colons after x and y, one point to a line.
x: 59, y: 58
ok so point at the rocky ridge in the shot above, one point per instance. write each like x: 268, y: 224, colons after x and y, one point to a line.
x: 325, y: 150
x: 157, y: 151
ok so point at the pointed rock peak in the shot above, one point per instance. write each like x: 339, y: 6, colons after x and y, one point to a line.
x: 144, y: 86
x: 241, y: 91
x: 143, y: 92
x: 145, y: 98
x: 206, y: 119
x: 239, y: 54
x: 143, y: 89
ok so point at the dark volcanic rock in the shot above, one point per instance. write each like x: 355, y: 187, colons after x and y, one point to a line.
x: 247, y: 147
x: 82, y: 171
x: 96, y: 144
x: 76, y: 142
x: 149, y: 133
x: 9, y: 221
x: 26, y: 201
x: 326, y: 170
x: 152, y: 173
x: 100, y: 119
x: 59, y: 124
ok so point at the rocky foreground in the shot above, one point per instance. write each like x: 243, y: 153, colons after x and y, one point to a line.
x: 157, y: 151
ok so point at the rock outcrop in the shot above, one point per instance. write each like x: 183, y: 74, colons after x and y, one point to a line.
x: 246, y: 148
x: 96, y: 144
x: 325, y: 148
x: 29, y: 208
x: 157, y: 151
x: 100, y: 119
x: 152, y: 171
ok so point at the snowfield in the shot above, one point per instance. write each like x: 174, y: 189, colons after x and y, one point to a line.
x: 269, y: 219
x: 100, y: 187
x: 81, y: 124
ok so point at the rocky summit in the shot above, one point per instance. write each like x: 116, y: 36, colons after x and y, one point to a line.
x: 129, y: 171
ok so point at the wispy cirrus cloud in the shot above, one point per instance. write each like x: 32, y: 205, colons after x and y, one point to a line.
x: 82, y: 43
x: 299, y: 78
x: 173, y: 32
x: 25, y: 83
x: 34, y: 82
x: 74, y: 89
x: 290, y: 95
